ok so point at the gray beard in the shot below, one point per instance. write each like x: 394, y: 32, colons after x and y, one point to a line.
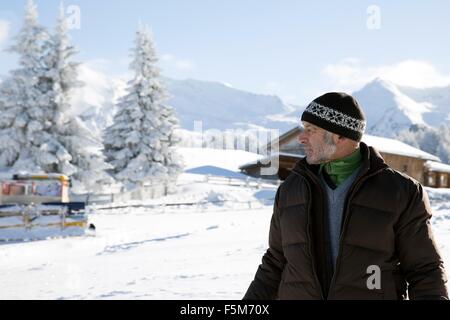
x: 324, y: 154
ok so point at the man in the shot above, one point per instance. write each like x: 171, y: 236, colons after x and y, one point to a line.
x: 346, y: 225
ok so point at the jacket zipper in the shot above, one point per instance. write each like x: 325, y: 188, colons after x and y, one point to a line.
x: 313, y: 262
x: 344, y: 228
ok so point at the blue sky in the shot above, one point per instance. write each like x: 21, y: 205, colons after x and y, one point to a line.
x: 296, y: 49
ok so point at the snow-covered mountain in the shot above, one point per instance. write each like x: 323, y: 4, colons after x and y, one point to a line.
x: 217, y: 105
x: 440, y: 99
x: 221, y: 107
x: 389, y: 108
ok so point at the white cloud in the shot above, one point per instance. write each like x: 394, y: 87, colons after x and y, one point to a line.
x: 350, y: 74
x: 178, y: 63
x: 416, y: 74
x: 4, y: 31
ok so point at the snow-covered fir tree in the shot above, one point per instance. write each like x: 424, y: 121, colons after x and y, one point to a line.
x: 443, y: 149
x: 432, y: 140
x: 22, y: 102
x: 140, y: 144
x: 55, y: 140
x: 71, y: 139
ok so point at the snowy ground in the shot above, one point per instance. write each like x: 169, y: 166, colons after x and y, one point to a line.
x: 209, y: 250
x: 440, y: 202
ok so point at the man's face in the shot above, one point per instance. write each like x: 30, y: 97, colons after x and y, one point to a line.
x: 318, y: 144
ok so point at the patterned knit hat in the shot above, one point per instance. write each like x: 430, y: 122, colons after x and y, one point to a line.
x: 337, y: 112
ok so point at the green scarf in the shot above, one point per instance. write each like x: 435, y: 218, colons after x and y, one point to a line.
x: 339, y: 170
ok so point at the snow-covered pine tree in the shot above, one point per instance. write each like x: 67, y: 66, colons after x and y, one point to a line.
x: 71, y: 148
x: 140, y: 144
x: 55, y: 140
x: 22, y: 100
x: 432, y: 140
x: 422, y: 137
x: 443, y: 149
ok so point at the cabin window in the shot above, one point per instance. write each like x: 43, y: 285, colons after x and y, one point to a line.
x: 431, y: 180
x: 18, y: 189
x: 52, y: 189
x: 443, y: 180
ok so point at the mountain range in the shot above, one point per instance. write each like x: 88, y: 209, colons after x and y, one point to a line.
x: 389, y: 108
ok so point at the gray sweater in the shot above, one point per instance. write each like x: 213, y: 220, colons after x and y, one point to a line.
x: 335, y: 206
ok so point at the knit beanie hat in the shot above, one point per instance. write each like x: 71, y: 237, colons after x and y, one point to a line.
x: 337, y: 112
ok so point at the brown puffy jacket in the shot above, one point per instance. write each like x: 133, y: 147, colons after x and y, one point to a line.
x: 386, y: 223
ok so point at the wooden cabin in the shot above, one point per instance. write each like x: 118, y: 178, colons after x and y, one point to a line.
x: 437, y: 174
x: 420, y: 165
